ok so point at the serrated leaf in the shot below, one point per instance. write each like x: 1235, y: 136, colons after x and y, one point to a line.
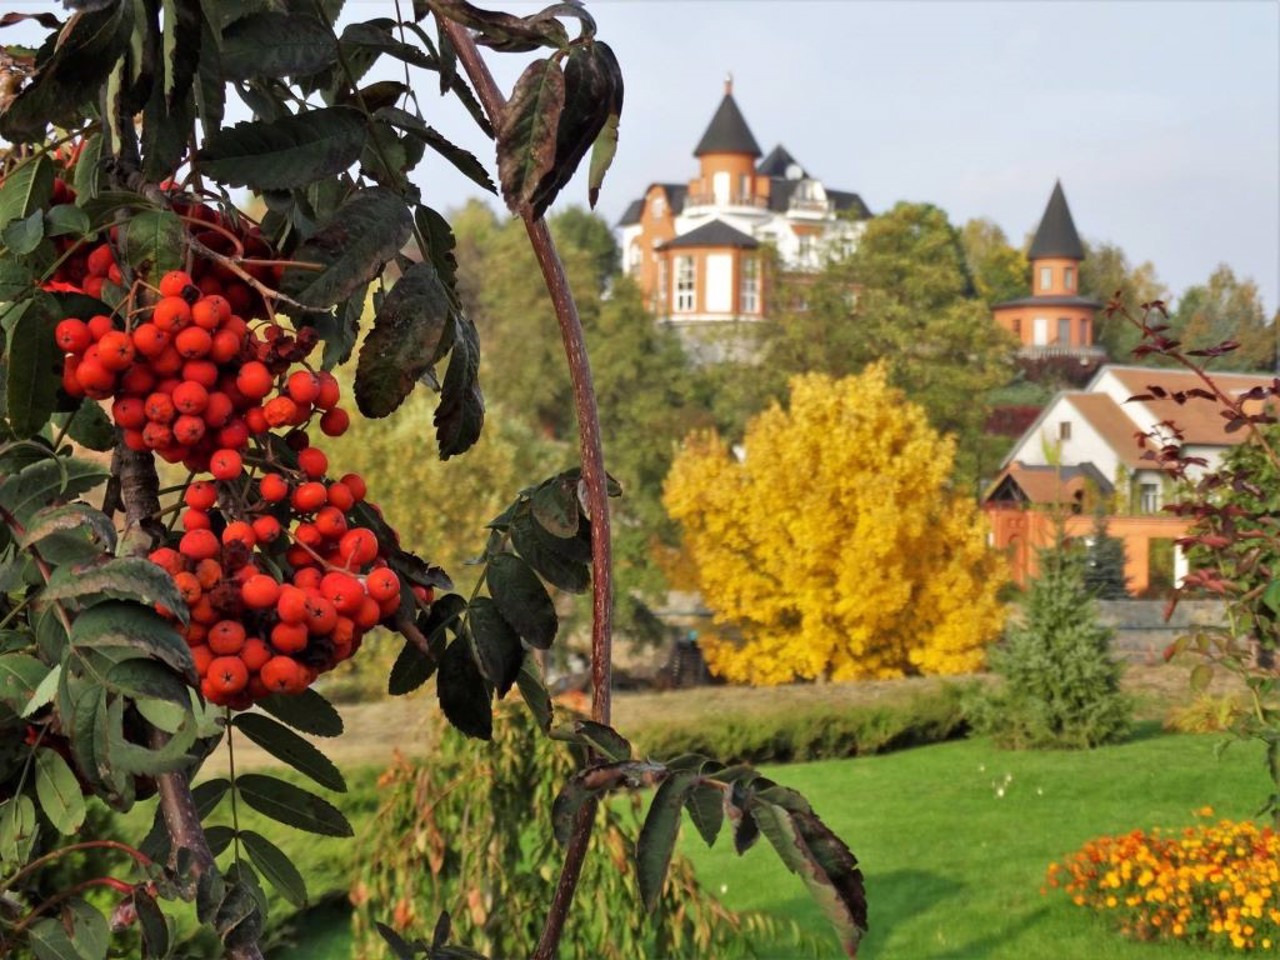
x: 526, y: 133
x: 241, y: 913
x: 59, y: 792
x: 88, y: 170
x: 307, y: 711
x: 153, y: 924
x: 550, y: 564
x: 71, y: 516
x: 604, y: 740
x: 277, y: 45
x: 602, y: 154
x: 705, y: 804
x: 89, y: 426
x: 20, y: 676
x: 1201, y: 677
x: 123, y: 625
x: 16, y: 280
x: 273, y: 864
x: 292, y: 806
x: 823, y: 862
x: 463, y: 694
x: 66, y: 219
x: 291, y: 749
x: 81, y: 56
x: 522, y: 599
x: 459, y: 417
x: 34, y: 364
x: 535, y: 694
x: 43, y: 693
x: 293, y: 151
x: 138, y: 678
x: 397, y: 943
x: 79, y: 932
x: 497, y: 645
x: 411, y: 670
x: 657, y: 838
x: 18, y: 829
x: 39, y: 484
x: 153, y: 242
x: 26, y: 190
x: 24, y: 236
x: 464, y: 160
x: 404, y: 342
x: 435, y: 231
x: 555, y: 507
x: 365, y: 232
x: 120, y: 578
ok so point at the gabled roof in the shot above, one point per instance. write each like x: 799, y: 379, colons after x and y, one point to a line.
x: 717, y: 233
x: 632, y: 214
x: 676, y: 194
x: 1111, y: 423
x: 845, y: 200
x: 728, y: 132
x: 1200, y: 421
x: 1056, y: 236
x: 1020, y: 483
x: 778, y: 162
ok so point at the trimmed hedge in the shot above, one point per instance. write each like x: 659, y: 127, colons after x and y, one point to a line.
x: 825, y: 732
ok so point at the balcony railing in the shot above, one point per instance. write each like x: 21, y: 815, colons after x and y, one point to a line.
x: 733, y: 200
x: 1042, y: 351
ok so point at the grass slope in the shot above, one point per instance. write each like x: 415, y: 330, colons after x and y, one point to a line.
x: 953, y: 870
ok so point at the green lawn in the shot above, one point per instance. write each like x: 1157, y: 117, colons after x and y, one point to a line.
x: 952, y: 869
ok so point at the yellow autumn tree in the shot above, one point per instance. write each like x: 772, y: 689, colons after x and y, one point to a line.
x: 834, y: 548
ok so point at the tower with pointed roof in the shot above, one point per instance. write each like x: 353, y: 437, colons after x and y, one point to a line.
x: 1055, y: 320
x: 697, y: 248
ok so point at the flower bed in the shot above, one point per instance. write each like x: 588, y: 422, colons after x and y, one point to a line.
x: 1213, y: 884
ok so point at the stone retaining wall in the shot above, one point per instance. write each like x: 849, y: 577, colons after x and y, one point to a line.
x: 1142, y: 632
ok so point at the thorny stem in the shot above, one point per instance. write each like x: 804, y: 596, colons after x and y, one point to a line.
x: 593, y: 475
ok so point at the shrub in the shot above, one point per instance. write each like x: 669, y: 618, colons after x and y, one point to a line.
x: 1061, y: 688
x: 442, y: 841
x: 1213, y: 885
x: 1205, y: 713
x: 825, y: 732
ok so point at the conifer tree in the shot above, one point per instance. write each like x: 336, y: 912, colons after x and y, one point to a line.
x: 1104, y: 563
x: 1061, y: 687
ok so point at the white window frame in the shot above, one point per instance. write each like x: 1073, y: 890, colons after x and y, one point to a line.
x: 686, y: 285
x: 1149, y: 497
x: 1069, y: 278
x: 749, y: 288
x: 1046, y: 278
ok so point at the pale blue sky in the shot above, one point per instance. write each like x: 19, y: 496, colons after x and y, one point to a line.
x: 1161, y: 118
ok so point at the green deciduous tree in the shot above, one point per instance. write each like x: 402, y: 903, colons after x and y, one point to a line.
x: 1000, y: 271
x: 1227, y: 308
x: 1107, y: 275
x: 1060, y: 687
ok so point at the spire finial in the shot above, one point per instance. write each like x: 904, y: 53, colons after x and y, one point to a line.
x: 728, y: 84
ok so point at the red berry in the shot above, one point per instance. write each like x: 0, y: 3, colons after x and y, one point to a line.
x: 72, y: 335
x: 335, y: 422
x: 174, y: 283
x: 313, y: 462
x: 199, y: 544
x: 254, y: 380
x: 382, y: 584
x: 226, y: 464
x: 260, y: 591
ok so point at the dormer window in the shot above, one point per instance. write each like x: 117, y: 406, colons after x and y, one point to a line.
x: 658, y: 206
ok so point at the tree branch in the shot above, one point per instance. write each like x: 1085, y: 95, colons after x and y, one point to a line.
x: 593, y: 475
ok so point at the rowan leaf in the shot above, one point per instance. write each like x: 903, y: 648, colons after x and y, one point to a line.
x: 307, y: 711
x: 292, y: 151
x: 459, y: 417
x: 292, y: 806
x: 526, y: 132
x: 291, y: 749
x: 59, y: 792
x: 272, y: 44
x: 497, y: 644
x: 522, y: 599
x: 34, y: 364
x: 463, y: 694
x: 275, y: 865
x: 657, y: 839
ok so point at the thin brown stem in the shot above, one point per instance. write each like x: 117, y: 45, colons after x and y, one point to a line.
x: 593, y: 475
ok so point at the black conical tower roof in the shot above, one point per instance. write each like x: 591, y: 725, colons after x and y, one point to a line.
x: 728, y: 131
x: 1056, y: 236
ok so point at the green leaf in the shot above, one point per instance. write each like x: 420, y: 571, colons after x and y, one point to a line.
x: 307, y: 711
x: 438, y: 235
x: 292, y: 151
x: 602, y: 154
x: 219, y: 837
x: 535, y: 694
x: 555, y: 507
x: 279, y: 870
x: 16, y: 280
x: 545, y: 556
x: 80, y: 57
x: 34, y: 365
x: 120, y: 578
x: 292, y: 806
x: 411, y: 670
x: 18, y: 829
x: 89, y: 426
x: 67, y: 219
x: 365, y: 232
x: 397, y: 943
x: 208, y: 795
x: 522, y: 599
x: 460, y: 414
x: 657, y: 838
x: 497, y: 645
x: 139, y: 678
x: 404, y: 342
x: 44, y: 693
x: 603, y: 739
x: 823, y: 862
x: 154, y: 925
x: 79, y: 932
x: 526, y: 133
x: 39, y: 484
x: 705, y: 804
x: 183, y: 29
x: 154, y: 242
x: 466, y: 162
x: 118, y: 623
x: 286, y: 746
x: 59, y: 792
x: 71, y: 516
x: 1201, y: 677
x: 88, y: 170
x: 463, y: 694
x: 1271, y: 596
x: 276, y: 45
x: 23, y: 237
x: 240, y: 915
x: 20, y: 676
x: 26, y: 190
